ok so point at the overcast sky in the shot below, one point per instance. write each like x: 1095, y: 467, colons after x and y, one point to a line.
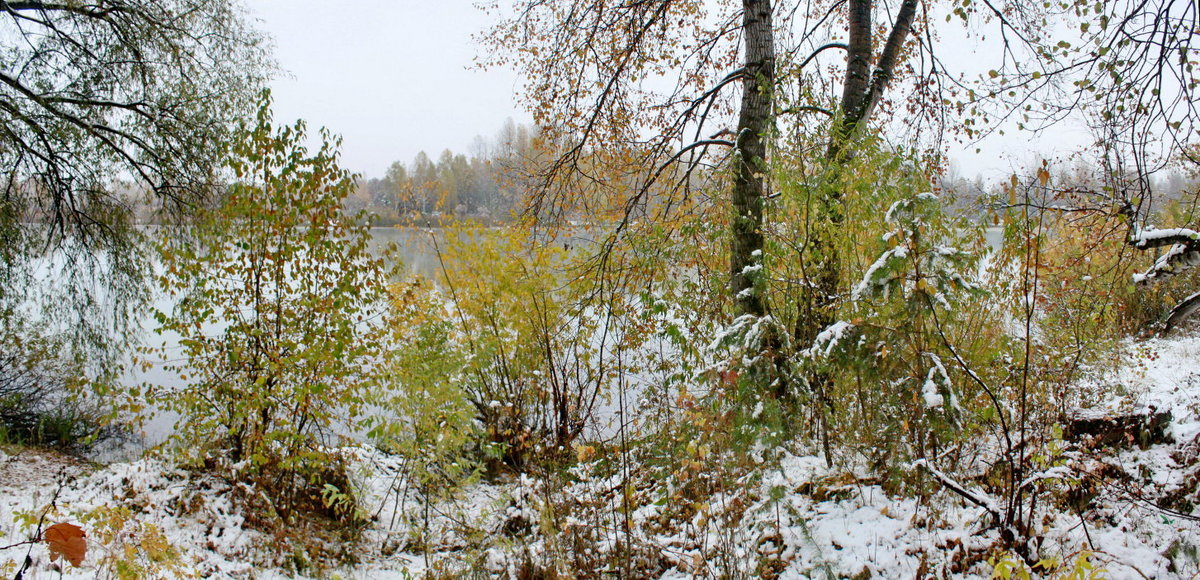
x: 395, y: 77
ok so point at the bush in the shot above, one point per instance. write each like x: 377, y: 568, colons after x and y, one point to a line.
x: 279, y: 322
x: 41, y: 402
x: 528, y: 347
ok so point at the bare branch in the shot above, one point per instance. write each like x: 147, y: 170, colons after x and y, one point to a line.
x: 978, y: 498
x: 823, y: 48
x: 1183, y: 311
x: 807, y: 109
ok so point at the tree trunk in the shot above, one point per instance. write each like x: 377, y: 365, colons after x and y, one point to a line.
x: 861, y: 92
x: 818, y: 308
x: 748, y: 186
x: 860, y: 50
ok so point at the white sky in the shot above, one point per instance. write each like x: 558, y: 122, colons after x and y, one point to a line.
x: 390, y: 76
x: 395, y: 77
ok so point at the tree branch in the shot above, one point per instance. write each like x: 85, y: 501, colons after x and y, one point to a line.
x: 89, y: 11
x: 1161, y: 238
x: 806, y: 109
x: 888, y: 59
x: 1183, y: 311
x: 823, y: 48
x: 860, y: 50
x: 978, y: 498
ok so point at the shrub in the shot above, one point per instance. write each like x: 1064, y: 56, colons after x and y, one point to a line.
x: 41, y: 399
x: 278, y: 317
x: 531, y: 348
x: 432, y: 421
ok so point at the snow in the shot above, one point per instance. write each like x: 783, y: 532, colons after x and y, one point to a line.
x: 214, y: 535
x: 813, y: 520
x: 1145, y: 238
x: 868, y: 281
x: 1165, y: 264
x: 828, y: 339
x: 1180, y: 254
x: 929, y: 392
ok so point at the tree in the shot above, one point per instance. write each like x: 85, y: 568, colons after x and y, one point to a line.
x: 426, y: 191
x: 591, y: 64
x: 634, y: 93
x: 102, y: 103
x: 398, y: 186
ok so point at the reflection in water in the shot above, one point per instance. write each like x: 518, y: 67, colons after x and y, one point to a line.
x: 414, y: 247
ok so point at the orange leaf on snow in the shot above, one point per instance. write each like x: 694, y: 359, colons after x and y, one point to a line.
x: 66, y: 540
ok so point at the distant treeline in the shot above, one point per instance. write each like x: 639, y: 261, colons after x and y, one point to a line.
x: 1075, y: 183
x: 486, y: 185
x: 490, y: 184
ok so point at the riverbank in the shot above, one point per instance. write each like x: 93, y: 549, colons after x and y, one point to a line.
x: 790, y: 518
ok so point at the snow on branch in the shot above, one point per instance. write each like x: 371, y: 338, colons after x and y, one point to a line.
x: 1152, y: 238
x: 877, y: 274
x: 828, y: 339
x: 978, y: 498
x: 1184, y: 252
x: 1179, y: 258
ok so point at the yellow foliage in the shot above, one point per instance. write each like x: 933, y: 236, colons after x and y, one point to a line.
x: 131, y: 549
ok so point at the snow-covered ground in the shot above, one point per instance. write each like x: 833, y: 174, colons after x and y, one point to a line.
x: 795, y: 519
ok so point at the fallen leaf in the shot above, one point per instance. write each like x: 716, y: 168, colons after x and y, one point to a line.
x: 66, y: 540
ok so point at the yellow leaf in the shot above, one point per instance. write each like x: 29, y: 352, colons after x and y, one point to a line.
x: 585, y: 452
x: 1043, y: 176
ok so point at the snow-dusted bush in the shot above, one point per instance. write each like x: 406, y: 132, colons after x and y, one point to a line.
x: 519, y: 343
x: 277, y: 314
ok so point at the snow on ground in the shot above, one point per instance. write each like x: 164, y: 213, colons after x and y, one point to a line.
x: 795, y: 520
x: 192, y: 514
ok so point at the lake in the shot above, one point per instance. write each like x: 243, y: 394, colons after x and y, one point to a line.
x: 415, y: 249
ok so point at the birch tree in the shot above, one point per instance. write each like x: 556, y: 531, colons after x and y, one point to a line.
x: 645, y: 93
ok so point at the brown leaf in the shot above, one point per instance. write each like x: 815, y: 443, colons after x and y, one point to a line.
x: 66, y: 540
x: 1043, y: 176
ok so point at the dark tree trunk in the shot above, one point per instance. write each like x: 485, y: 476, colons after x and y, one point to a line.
x: 863, y: 89
x: 817, y: 310
x: 860, y: 50
x: 861, y: 92
x: 749, y: 183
